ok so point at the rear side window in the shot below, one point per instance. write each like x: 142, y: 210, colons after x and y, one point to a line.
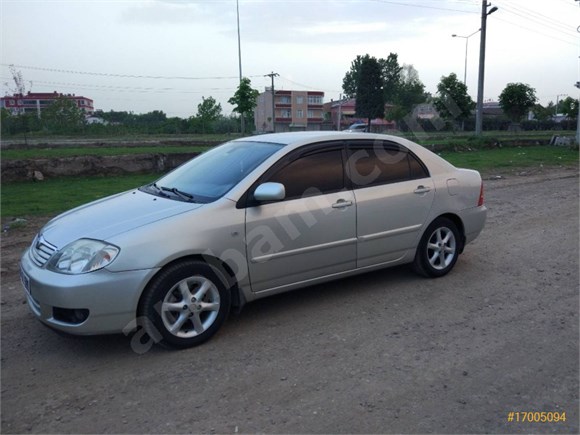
x: 313, y: 174
x: 375, y: 163
x: 417, y: 169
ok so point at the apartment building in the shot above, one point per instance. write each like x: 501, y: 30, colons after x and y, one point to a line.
x: 36, y: 102
x: 293, y: 111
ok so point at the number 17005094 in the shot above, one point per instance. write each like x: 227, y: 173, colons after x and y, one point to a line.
x: 536, y: 417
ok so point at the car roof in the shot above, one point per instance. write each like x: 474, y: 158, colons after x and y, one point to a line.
x: 297, y: 139
x: 289, y: 137
x: 293, y: 140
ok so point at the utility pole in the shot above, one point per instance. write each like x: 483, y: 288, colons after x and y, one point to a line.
x: 240, y: 60
x: 578, y: 120
x: 339, y: 112
x: 479, y: 108
x: 272, y: 75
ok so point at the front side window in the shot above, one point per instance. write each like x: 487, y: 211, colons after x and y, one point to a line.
x: 313, y: 174
x: 213, y: 173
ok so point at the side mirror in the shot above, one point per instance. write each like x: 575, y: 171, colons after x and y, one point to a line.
x: 270, y: 192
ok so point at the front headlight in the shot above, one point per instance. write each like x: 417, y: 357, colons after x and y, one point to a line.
x: 83, y: 256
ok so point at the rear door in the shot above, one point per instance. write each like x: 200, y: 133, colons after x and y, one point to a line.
x: 393, y: 193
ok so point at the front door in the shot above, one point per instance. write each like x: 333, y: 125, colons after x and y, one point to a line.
x: 309, y: 234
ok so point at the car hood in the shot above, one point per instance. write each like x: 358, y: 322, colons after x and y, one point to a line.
x: 108, y: 217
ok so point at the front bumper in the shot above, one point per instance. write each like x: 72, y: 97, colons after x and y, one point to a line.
x: 100, y: 302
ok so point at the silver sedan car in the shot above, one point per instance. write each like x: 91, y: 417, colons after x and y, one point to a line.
x: 248, y: 219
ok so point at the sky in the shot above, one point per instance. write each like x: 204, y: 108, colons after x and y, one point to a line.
x: 140, y: 56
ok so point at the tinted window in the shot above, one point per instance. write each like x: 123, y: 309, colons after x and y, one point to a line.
x: 213, y: 173
x: 312, y: 174
x: 417, y: 169
x: 377, y: 163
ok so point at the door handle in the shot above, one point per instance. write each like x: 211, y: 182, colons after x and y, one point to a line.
x: 341, y: 203
x: 422, y: 189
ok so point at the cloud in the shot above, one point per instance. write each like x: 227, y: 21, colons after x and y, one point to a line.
x: 342, y: 27
x: 163, y: 12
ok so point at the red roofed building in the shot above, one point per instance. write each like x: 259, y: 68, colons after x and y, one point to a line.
x: 36, y: 102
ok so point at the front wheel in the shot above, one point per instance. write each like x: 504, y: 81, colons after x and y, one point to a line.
x: 438, y: 249
x: 185, y: 304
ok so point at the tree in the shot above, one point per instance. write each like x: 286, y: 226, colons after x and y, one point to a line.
x: 244, y: 100
x: 21, y: 87
x: 516, y: 100
x: 391, y: 73
x: 370, y: 102
x: 6, y: 121
x: 452, y: 101
x: 410, y: 91
x: 350, y: 80
x: 542, y: 113
x: 230, y: 124
x: 63, y: 116
x: 401, y: 86
x: 208, y: 111
x: 115, y: 117
x: 569, y: 107
x: 156, y: 117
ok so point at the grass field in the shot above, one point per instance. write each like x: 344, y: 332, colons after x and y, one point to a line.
x: 501, y: 158
x: 56, y: 195
x: 100, y: 151
x: 41, y: 147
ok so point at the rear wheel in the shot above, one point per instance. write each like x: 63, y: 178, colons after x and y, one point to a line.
x: 185, y: 304
x: 438, y: 249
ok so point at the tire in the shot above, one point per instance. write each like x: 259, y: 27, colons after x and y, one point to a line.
x: 438, y: 249
x: 185, y: 304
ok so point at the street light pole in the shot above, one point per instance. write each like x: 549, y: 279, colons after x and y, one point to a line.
x: 466, y: 43
x: 242, y: 126
x: 479, y: 108
x: 557, y: 103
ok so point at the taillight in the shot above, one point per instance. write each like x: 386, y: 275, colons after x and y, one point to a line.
x: 480, y: 201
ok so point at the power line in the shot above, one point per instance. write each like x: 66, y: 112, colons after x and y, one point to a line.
x: 540, y: 19
x: 124, y: 88
x: 307, y: 86
x: 535, y: 31
x: 130, y: 76
x: 423, y: 6
x: 567, y: 3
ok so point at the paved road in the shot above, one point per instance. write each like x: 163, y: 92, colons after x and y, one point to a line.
x: 383, y: 352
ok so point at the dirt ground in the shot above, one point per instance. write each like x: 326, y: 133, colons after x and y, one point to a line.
x: 386, y: 352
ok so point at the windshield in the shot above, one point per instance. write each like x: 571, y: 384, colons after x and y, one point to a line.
x: 210, y: 175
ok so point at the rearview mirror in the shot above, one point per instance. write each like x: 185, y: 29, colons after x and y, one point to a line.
x: 270, y: 192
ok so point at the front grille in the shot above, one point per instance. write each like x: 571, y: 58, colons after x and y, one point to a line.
x: 41, y: 251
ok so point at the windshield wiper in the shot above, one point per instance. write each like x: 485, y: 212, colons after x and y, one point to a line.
x: 176, y: 191
x: 159, y: 190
